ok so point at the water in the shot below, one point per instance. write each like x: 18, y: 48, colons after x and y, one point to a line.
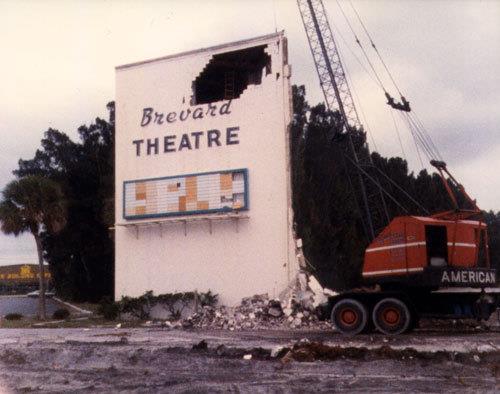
x: 25, y: 305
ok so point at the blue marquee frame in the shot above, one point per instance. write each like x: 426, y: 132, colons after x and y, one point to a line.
x: 244, y: 171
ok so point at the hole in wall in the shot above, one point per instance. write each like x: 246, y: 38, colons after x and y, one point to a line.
x: 228, y: 74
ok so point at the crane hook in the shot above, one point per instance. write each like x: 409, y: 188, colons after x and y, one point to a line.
x: 404, y: 105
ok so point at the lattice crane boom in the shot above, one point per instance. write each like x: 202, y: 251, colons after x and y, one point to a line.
x: 338, y: 96
x: 327, y: 60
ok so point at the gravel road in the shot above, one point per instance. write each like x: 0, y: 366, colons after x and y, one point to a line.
x: 150, y: 360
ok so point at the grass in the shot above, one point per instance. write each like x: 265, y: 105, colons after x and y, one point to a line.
x: 75, y: 321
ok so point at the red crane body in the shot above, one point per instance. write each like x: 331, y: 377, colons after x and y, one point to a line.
x: 414, y: 245
x: 444, y: 244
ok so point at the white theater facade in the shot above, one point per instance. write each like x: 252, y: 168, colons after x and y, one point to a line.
x: 203, y: 198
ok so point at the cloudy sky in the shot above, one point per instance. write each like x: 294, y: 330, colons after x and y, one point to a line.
x: 59, y: 58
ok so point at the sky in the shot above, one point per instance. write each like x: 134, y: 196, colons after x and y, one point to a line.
x: 58, y: 60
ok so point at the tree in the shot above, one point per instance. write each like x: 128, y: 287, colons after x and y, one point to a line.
x: 326, y: 214
x: 33, y: 203
x: 81, y: 256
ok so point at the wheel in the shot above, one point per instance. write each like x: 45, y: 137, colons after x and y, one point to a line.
x: 391, y: 316
x: 349, y: 316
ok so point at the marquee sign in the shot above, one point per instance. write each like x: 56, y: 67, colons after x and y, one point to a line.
x: 193, y: 140
x: 208, y: 192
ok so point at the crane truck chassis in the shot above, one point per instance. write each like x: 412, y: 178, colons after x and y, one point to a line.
x: 395, y: 310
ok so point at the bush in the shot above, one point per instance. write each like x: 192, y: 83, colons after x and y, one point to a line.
x: 60, y: 314
x: 109, y: 309
x: 13, y: 316
x: 209, y: 299
x: 140, y: 307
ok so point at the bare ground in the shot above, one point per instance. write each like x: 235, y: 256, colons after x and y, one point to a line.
x: 155, y: 360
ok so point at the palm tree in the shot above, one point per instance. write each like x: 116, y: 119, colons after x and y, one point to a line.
x: 35, y: 204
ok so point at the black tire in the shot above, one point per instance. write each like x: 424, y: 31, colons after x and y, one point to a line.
x: 391, y: 316
x: 349, y: 316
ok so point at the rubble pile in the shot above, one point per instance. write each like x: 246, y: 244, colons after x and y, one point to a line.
x: 259, y: 312
x: 298, y: 307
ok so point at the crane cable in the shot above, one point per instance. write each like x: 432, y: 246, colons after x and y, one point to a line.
x: 417, y: 137
x: 415, y: 141
x: 399, y: 136
x: 402, y: 190
x: 378, y: 80
x: 375, y: 182
x: 339, y: 33
x: 425, y: 132
x: 418, y: 128
x: 362, y: 48
x: 381, y: 85
x: 420, y: 137
x: 419, y: 140
x: 355, y: 97
x: 427, y: 141
x: 375, y: 48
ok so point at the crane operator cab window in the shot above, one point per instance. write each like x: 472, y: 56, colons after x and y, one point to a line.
x: 437, y: 245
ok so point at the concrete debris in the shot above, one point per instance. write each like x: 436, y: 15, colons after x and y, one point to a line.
x: 485, y: 348
x: 276, y: 350
x: 297, y: 308
x: 256, y: 312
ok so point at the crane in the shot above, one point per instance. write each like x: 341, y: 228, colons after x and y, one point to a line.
x: 410, y: 265
x: 338, y: 96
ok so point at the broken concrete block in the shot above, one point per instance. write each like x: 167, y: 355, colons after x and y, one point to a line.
x: 275, y: 312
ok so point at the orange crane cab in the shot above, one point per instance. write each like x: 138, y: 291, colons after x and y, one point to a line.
x: 430, y: 252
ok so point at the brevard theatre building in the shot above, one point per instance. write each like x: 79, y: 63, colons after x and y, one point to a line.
x: 203, y: 197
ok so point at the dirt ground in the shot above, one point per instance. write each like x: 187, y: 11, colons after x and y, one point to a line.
x: 154, y: 360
